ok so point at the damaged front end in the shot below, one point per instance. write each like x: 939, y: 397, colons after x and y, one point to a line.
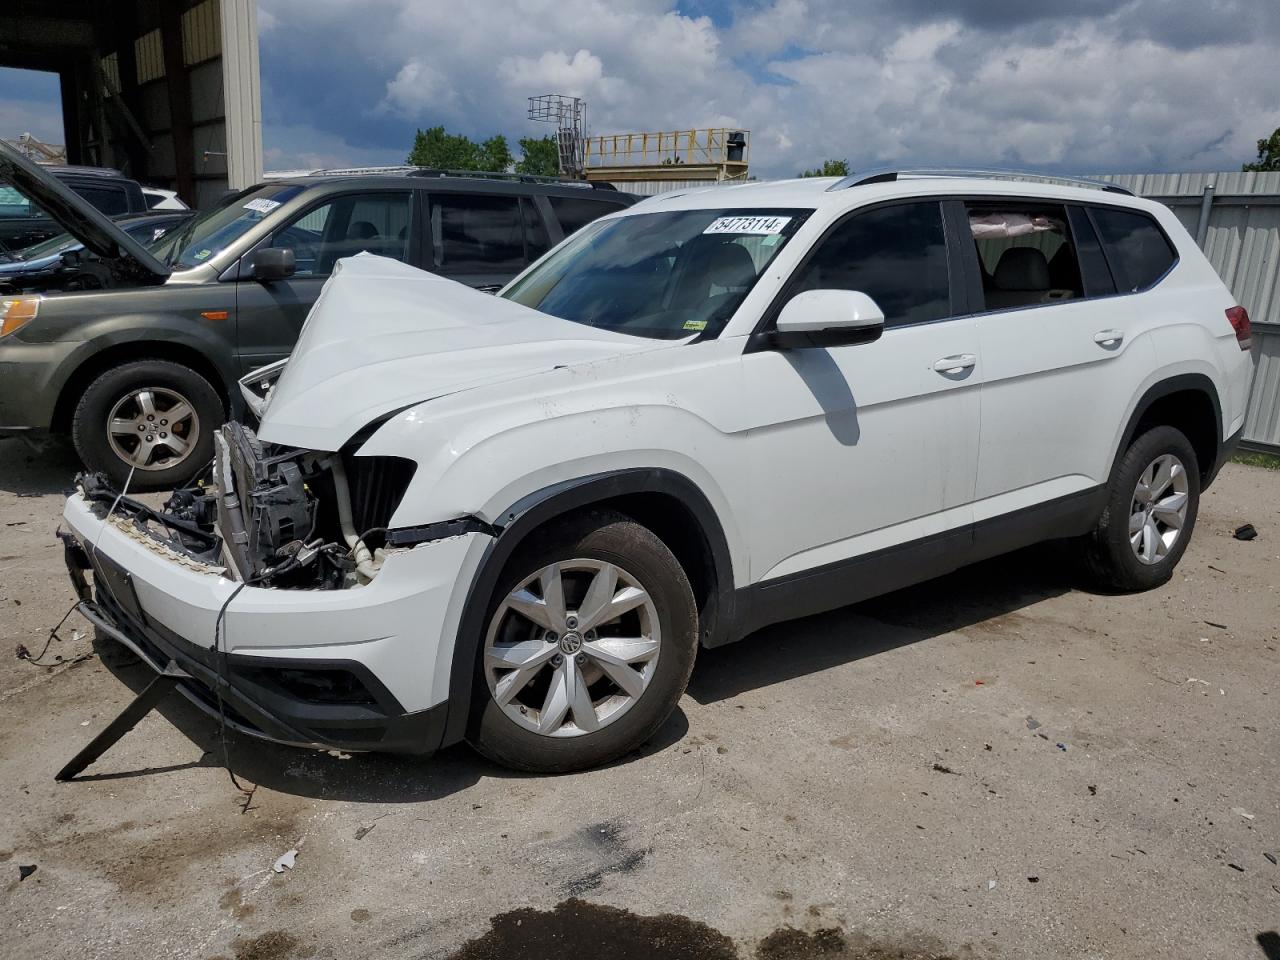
x: 274, y: 516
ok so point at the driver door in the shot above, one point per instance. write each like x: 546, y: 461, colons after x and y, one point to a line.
x: 270, y: 315
x: 864, y: 457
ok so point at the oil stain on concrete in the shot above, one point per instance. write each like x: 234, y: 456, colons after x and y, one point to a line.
x: 577, y: 930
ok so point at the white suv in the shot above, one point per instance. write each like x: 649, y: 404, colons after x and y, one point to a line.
x: 514, y: 519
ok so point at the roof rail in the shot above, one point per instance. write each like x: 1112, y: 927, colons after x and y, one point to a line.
x: 890, y: 174
x: 412, y: 171
x: 488, y: 175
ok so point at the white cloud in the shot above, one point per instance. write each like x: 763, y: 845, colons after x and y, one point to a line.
x: 1090, y: 85
x: 417, y: 87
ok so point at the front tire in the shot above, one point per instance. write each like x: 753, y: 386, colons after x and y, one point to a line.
x: 1152, y: 502
x: 589, y: 643
x: 152, y: 417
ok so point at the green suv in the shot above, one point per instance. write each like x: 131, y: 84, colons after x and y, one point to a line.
x: 141, y: 373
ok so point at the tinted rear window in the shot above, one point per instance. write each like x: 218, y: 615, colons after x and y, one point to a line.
x: 109, y: 200
x: 574, y: 213
x: 1136, y: 247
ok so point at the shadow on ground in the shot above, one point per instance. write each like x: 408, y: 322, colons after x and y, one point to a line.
x: 983, y: 592
x: 359, y: 777
x: 32, y: 470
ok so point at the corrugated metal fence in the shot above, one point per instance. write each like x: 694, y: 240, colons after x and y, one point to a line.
x: 1235, y: 217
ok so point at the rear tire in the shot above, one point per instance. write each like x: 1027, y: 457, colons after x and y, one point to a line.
x: 1152, y: 502
x: 177, y: 410
x: 605, y: 683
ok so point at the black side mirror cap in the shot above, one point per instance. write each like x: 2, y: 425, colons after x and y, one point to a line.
x: 273, y: 263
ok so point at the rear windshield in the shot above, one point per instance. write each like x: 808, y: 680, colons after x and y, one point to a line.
x: 662, y: 275
x: 209, y: 233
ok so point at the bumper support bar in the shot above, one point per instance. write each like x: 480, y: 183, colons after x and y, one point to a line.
x: 154, y: 692
x: 165, y: 682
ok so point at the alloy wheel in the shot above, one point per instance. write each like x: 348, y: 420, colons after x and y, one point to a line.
x: 572, y: 647
x: 153, y: 428
x: 1158, y: 510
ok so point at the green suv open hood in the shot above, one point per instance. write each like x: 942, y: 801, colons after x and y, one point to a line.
x: 80, y: 218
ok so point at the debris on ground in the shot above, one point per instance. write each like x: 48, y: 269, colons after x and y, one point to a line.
x: 1093, y: 789
x: 1270, y: 856
x: 1032, y: 723
x: 991, y: 884
x: 1062, y: 747
x: 1220, y: 626
x: 363, y: 832
x: 1245, y: 531
x: 285, y: 861
x: 939, y: 768
x: 1242, y: 812
x: 1033, y: 879
x: 338, y: 754
x: 1236, y: 866
x: 25, y: 870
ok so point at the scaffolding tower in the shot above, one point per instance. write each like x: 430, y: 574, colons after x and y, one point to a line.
x: 569, y: 116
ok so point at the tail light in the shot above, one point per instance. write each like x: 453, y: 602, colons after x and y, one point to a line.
x: 1239, y: 319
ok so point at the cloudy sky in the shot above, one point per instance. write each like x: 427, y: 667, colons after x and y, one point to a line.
x: 1079, y: 85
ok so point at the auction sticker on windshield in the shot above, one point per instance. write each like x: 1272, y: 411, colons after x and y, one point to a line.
x: 262, y: 205
x: 759, y: 226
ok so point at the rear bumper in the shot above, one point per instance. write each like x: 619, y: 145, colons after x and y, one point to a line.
x: 353, y: 669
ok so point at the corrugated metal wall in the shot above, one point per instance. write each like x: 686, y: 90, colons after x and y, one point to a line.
x: 649, y: 188
x: 1242, y: 241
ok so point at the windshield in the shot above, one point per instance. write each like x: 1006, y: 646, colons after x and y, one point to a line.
x: 144, y: 231
x: 208, y: 234
x: 661, y: 275
x: 48, y: 248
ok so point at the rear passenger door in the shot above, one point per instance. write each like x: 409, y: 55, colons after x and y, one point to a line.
x: 483, y: 239
x: 1062, y: 350
x: 269, y: 316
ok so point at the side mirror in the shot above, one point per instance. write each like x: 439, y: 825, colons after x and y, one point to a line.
x: 273, y: 263
x: 828, y: 318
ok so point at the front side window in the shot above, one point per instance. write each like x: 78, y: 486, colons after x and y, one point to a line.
x: 1136, y: 248
x: 376, y: 223
x: 662, y: 275
x: 896, y: 254
x: 1025, y: 253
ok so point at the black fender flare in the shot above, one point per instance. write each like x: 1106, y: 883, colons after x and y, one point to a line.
x: 1176, y: 384
x: 530, y: 513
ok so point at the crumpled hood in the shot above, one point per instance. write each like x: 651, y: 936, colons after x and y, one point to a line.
x: 384, y: 336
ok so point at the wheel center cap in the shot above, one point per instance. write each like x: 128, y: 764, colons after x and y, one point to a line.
x: 571, y: 643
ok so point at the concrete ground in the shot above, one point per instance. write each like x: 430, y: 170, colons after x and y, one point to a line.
x: 996, y: 764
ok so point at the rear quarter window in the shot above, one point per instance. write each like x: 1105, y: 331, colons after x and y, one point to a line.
x: 574, y: 213
x: 1137, y: 249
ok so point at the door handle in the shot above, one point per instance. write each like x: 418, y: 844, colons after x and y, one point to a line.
x: 1108, y: 338
x: 952, y: 366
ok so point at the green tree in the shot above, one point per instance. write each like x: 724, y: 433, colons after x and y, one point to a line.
x: 1268, y: 154
x: 441, y: 150
x: 494, y: 155
x: 540, y: 156
x: 829, y: 168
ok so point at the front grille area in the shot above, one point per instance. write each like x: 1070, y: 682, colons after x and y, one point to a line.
x: 378, y: 484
